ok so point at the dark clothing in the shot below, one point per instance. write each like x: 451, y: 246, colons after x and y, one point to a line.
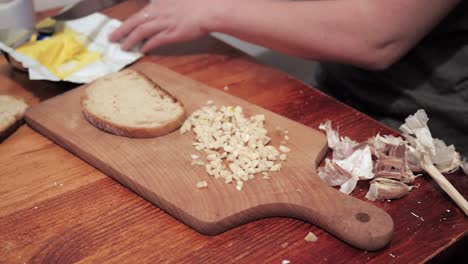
x: 433, y: 76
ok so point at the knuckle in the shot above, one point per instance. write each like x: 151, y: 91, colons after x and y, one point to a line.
x: 145, y: 29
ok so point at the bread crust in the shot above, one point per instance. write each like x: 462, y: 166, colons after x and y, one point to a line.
x: 7, y: 131
x: 134, y: 132
x: 11, y: 127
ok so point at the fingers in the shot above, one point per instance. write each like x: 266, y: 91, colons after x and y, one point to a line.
x: 160, y: 39
x: 130, y: 24
x: 141, y: 33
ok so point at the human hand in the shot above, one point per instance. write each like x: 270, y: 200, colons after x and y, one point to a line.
x: 164, y: 22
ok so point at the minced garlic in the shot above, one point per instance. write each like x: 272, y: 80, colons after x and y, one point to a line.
x: 202, y: 184
x: 237, y: 147
x: 311, y: 237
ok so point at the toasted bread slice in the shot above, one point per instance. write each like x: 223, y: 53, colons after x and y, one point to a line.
x: 129, y: 104
x: 12, y: 111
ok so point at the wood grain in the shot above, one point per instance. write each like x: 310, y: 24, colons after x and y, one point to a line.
x: 55, y: 208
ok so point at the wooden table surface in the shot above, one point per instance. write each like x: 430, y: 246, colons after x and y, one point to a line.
x: 55, y: 208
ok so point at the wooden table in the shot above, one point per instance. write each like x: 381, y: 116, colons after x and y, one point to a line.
x: 55, y: 208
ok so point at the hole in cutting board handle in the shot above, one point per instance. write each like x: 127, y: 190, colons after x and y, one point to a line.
x: 362, y: 217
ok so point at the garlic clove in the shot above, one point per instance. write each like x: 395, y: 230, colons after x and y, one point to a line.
x: 382, y: 188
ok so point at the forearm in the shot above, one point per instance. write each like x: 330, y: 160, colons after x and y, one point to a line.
x: 353, y: 31
x: 367, y: 33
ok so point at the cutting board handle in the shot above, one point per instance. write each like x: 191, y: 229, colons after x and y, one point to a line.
x: 354, y: 221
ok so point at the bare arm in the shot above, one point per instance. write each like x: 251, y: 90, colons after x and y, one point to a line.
x: 368, y: 33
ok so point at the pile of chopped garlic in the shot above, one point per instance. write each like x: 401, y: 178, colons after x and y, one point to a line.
x: 236, y: 147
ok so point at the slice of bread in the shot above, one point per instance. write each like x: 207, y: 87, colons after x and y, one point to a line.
x: 12, y: 111
x: 129, y: 104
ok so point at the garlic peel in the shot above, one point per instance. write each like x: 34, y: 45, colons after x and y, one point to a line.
x: 342, y: 146
x: 393, y: 164
x: 333, y: 174
x: 417, y: 132
x: 359, y: 163
x: 446, y: 159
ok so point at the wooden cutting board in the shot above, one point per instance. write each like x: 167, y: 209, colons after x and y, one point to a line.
x: 160, y: 170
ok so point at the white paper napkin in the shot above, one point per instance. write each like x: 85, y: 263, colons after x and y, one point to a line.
x: 97, y: 27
